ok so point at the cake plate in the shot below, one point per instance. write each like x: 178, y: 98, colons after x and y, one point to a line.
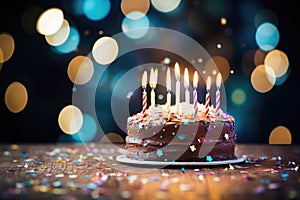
x: 124, y: 159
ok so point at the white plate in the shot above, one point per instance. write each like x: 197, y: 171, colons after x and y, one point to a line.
x: 124, y: 159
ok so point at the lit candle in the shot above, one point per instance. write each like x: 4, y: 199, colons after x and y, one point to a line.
x: 144, y: 100
x: 218, y: 84
x: 153, y: 82
x: 186, y: 85
x: 177, y: 76
x: 207, y: 98
x: 168, y: 82
x: 195, y: 83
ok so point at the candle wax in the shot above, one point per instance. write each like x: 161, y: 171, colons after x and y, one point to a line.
x: 187, y: 96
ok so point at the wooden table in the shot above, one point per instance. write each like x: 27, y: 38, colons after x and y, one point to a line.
x: 90, y: 171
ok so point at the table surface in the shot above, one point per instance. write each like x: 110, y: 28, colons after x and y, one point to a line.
x: 90, y: 171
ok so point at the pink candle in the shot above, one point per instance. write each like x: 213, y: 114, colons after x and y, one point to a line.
x: 218, y: 84
x: 195, y: 83
x: 207, y: 98
x: 144, y: 100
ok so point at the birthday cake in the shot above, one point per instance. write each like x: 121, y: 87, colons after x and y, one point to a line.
x: 175, y: 133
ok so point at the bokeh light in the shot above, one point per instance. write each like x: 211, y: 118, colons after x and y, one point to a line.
x: 278, y: 61
x: 50, y: 21
x: 112, y: 138
x: 60, y: 36
x: 222, y: 66
x: 166, y: 61
x: 70, y: 44
x: 267, y: 36
x: 135, y: 25
x: 238, y: 96
x: 88, y: 130
x: 105, y: 50
x: 1, y: 58
x: 80, y: 69
x: 70, y: 119
x: 223, y: 21
x: 263, y: 78
x: 96, y: 9
x: 165, y: 5
x: 280, y: 135
x: 7, y: 46
x: 16, y: 97
x: 128, y: 6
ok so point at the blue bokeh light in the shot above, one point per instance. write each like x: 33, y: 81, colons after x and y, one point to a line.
x: 96, y: 9
x: 71, y: 43
x: 135, y: 28
x: 88, y: 130
x: 267, y: 36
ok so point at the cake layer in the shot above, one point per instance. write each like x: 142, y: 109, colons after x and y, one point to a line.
x: 169, y: 135
x: 191, y: 141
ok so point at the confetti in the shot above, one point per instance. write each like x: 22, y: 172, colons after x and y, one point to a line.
x: 193, y: 148
x: 209, y: 158
x: 159, y: 153
x: 181, y: 136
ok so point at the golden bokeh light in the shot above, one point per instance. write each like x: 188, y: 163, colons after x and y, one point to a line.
x: 70, y: 119
x: 16, y: 97
x: 278, y: 61
x: 165, y: 5
x: 105, y: 50
x: 7, y: 46
x: 80, y: 70
x: 1, y: 58
x: 50, y: 21
x: 60, y: 36
x: 263, y: 78
x: 128, y: 6
x: 223, y: 21
x: 217, y: 64
x: 280, y: 135
x: 112, y: 138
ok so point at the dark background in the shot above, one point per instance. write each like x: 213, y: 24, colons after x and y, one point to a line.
x: 44, y: 72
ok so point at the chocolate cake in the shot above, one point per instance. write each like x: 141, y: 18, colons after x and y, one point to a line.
x: 176, y: 134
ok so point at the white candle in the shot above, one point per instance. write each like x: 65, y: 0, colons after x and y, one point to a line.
x: 168, y: 82
x: 195, y: 83
x: 177, y: 76
x: 207, y: 98
x: 144, y: 99
x: 153, y: 82
x: 218, y: 84
x: 186, y: 85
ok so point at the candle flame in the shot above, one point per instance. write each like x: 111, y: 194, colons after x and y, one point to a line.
x: 144, y: 79
x: 186, y: 78
x: 195, y: 81
x: 219, y: 80
x: 153, y: 78
x: 168, y: 80
x: 177, y: 71
x: 208, y: 83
